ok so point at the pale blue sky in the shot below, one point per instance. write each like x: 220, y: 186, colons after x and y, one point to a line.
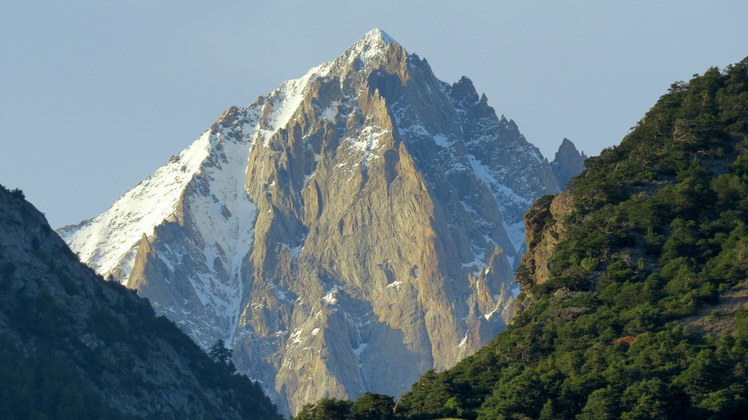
x: 95, y: 95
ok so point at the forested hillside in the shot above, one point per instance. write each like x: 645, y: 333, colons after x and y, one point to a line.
x: 73, y: 346
x: 618, y: 269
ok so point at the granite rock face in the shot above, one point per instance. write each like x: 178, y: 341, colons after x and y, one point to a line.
x: 345, y: 233
x: 546, y: 227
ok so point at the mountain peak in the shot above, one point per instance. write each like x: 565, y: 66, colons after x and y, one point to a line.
x: 567, y: 144
x: 373, y: 43
x: 568, y: 162
x: 567, y: 147
x: 278, y: 202
x: 377, y: 35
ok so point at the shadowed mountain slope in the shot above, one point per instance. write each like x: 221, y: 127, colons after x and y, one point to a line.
x: 75, y: 346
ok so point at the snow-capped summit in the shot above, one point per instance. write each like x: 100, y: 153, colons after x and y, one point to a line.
x: 355, y: 227
x: 374, y: 39
x: 378, y: 35
x: 374, y: 43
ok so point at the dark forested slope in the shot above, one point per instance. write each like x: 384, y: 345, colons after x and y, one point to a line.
x: 73, y: 346
x: 653, y: 232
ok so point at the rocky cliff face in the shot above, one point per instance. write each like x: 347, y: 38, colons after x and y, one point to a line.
x: 546, y: 226
x: 346, y: 232
x: 545, y: 220
x: 567, y: 163
x: 53, y: 308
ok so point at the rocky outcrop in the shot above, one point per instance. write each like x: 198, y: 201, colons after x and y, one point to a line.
x: 567, y: 163
x: 111, y: 341
x: 545, y: 223
x: 347, y: 232
x: 545, y: 220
